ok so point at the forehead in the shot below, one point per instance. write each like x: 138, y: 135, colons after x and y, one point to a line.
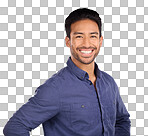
x: 84, y: 25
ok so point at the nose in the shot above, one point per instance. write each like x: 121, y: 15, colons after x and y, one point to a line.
x: 86, y: 42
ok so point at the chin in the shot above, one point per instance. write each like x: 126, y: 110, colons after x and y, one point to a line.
x: 83, y: 60
x: 86, y: 61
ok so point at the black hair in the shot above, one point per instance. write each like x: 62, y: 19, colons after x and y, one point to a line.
x: 81, y: 14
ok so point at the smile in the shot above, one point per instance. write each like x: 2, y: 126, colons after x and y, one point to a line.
x: 87, y: 52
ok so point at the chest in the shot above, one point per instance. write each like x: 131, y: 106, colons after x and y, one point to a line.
x: 85, y: 91
x: 81, y: 105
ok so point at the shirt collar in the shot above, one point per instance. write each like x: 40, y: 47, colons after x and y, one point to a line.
x: 79, y: 72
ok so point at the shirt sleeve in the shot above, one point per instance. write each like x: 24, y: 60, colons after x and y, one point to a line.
x: 122, y: 126
x: 41, y: 107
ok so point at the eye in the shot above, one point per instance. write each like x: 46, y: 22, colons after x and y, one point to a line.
x: 93, y: 36
x: 79, y: 37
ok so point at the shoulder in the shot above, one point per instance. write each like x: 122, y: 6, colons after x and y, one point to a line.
x: 106, y: 76
x: 53, y: 86
x: 57, y: 78
x: 108, y: 79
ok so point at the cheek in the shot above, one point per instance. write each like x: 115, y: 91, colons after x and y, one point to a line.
x: 76, y: 43
x: 97, y: 45
x: 94, y: 42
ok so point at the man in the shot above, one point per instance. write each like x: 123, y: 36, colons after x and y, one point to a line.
x: 79, y: 100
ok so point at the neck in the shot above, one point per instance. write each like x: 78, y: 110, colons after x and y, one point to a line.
x: 89, y: 68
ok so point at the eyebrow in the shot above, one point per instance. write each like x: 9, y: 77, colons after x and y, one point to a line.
x: 94, y: 33
x: 75, y: 33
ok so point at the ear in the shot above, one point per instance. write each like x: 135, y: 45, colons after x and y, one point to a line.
x: 100, y: 41
x: 67, y: 41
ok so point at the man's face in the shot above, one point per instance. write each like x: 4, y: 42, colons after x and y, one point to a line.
x: 84, y: 41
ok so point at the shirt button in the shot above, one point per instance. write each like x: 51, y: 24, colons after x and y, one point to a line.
x: 82, y: 106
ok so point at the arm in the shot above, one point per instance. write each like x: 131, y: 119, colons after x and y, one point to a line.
x: 43, y: 106
x: 122, y: 126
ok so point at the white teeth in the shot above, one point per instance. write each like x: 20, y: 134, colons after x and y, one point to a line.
x: 86, y: 52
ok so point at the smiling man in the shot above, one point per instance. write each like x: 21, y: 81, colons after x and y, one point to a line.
x: 79, y: 100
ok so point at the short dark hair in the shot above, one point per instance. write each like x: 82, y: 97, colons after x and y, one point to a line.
x: 81, y: 14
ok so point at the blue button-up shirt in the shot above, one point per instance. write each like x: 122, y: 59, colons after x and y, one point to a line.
x: 68, y: 104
